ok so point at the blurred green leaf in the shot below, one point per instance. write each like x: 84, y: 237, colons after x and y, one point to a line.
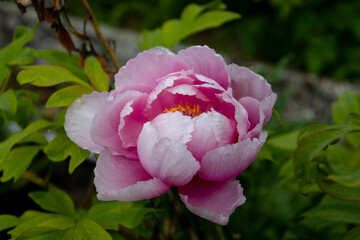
x: 62, y: 147
x: 17, y: 162
x: 42, y: 233
x: 45, y: 76
x: 112, y: 214
x: 96, y: 74
x: 308, y: 149
x: 336, y: 210
x: 63, y: 59
x: 347, y: 102
x: 353, y: 234
x: 7, y: 144
x: 66, y: 96
x: 36, y: 137
x: 54, y: 200
x: 8, y: 102
x: 87, y: 229
x: 3, y: 118
x: 310, y: 129
x: 8, y: 221
x: 26, y: 56
x: 24, y: 110
x: 286, y: 141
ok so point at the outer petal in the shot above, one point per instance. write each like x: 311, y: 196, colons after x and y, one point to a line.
x: 161, y: 50
x: 205, y: 61
x: 228, y: 162
x: 166, y: 159
x: 106, y: 123
x: 146, y: 68
x: 214, y: 201
x: 79, y: 118
x: 215, y: 128
x: 118, y: 178
x: 245, y: 82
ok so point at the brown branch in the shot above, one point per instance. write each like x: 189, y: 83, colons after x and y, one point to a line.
x: 100, y: 35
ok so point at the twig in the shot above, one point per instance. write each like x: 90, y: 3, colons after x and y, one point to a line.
x: 100, y: 35
x: 32, y: 177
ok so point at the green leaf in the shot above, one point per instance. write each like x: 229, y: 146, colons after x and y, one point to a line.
x: 336, y: 210
x: 8, y: 103
x: 42, y: 233
x: 308, y: 149
x: 111, y: 214
x: 310, y: 129
x: 278, y: 118
x: 348, y: 102
x: 54, y: 200
x: 45, y: 76
x: 24, y: 110
x: 87, y: 229
x: 96, y: 74
x: 3, y: 118
x: 66, y: 96
x: 62, y: 147
x: 7, y: 144
x: 353, y: 234
x: 286, y: 141
x: 25, y: 57
x: 8, y: 221
x: 18, y: 161
x: 37, y: 138
x: 63, y: 59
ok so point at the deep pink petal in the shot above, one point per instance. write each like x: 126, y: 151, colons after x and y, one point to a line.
x: 207, y: 62
x: 225, y: 163
x: 79, y: 118
x: 212, y: 130
x: 106, y: 123
x: 214, y: 201
x: 118, y: 178
x: 166, y: 159
x: 246, y: 83
x: 146, y: 68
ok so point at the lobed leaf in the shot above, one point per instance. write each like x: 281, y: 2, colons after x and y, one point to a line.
x: 8, y: 102
x: 8, y: 221
x: 25, y: 57
x: 87, y: 229
x: 96, y: 74
x: 66, y: 96
x: 54, y: 200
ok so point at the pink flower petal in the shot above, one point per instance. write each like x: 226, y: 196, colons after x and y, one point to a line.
x: 256, y: 116
x: 267, y: 105
x: 118, y: 178
x: 79, y: 118
x: 161, y: 50
x: 106, y: 124
x: 214, y: 201
x: 225, y: 163
x: 164, y: 158
x: 246, y: 83
x: 215, y: 128
x: 146, y: 68
x: 205, y: 61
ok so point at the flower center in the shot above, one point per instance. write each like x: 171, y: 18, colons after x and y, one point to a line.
x: 189, y: 110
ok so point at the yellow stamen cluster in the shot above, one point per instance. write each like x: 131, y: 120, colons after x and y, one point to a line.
x: 189, y: 110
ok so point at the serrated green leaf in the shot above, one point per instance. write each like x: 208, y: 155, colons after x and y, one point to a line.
x: 8, y: 221
x: 287, y: 141
x: 348, y: 102
x: 87, y: 229
x: 66, y: 96
x: 54, y: 200
x: 17, y: 162
x: 62, y: 147
x: 96, y: 74
x: 353, y: 234
x: 45, y: 76
x: 8, y: 102
x: 336, y: 210
x: 7, y: 144
x: 112, y: 214
x: 25, y: 57
x: 308, y: 149
x: 63, y: 59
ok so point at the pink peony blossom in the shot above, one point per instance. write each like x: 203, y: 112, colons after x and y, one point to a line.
x: 186, y: 120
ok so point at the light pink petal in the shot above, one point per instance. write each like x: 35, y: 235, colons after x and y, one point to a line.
x: 146, y: 68
x: 225, y: 163
x: 205, y: 61
x: 246, y: 83
x: 166, y: 159
x: 256, y: 116
x: 118, y: 178
x: 79, y: 118
x: 106, y: 124
x: 214, y: 201
x: 267, y: 105
x: 212, y: 130
x: 161, y: 50
x: 190, y: 90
